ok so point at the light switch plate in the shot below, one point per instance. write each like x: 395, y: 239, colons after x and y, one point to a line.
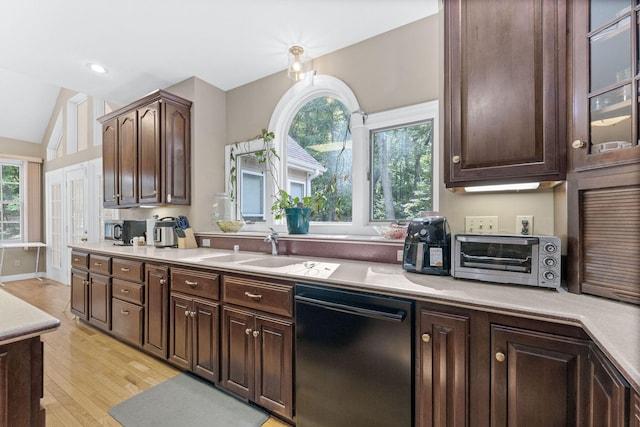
x: 206, y: 243
x: 481, y: 224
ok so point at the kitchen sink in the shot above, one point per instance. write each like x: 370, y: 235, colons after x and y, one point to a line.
x: 230, y: 258
x: 273, y: 262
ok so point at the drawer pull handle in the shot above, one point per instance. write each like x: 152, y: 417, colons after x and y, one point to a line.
x: 125, y: 312
x: 97, y: 264
x: 248, y: 331
x: 126, y: 270
x: 256, y: 333
x: 125, y: 291
x: 190, y: 283
x: 426, y: 338
x: 500, y: 357
x: 256, y: 297
x: 76, y: 260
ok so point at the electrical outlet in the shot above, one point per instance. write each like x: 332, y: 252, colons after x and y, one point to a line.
x: 399, y: 255
x: 206, y: 243
x: 481, y: 224
x: 524, y: 225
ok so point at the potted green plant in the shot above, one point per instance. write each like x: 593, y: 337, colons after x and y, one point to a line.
x: 297, y: 211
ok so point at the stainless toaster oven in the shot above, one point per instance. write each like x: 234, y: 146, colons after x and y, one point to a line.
x: 519, y: 260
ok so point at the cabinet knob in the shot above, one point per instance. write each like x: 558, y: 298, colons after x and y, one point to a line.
x: 187, y: 313
x: 426, y: 338
x: 248, y: 331
x: 578, y: 143
x: 193, y: 314
x: 500, y: 357
x: 456, y: 159
x: 256, y: 333
x: 163, y: 282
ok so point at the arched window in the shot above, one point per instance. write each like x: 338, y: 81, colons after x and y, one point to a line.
x: 373, y: 168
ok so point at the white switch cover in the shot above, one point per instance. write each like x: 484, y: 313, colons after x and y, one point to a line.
x: 206, y: 243
x: 481, y: 224
x: 524, y: 225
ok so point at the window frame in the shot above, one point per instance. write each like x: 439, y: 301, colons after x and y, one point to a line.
x: 21, y: 189
x: 362, y: 125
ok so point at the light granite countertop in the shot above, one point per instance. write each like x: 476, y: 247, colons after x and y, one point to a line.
x: 20, y: 320
x: 613, y: 326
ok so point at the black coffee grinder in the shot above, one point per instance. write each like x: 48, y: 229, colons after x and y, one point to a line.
x: 427, y: 247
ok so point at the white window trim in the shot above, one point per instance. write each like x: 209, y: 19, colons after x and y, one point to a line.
x: 22, y: 189
x: 361, y: 127
x: 241, y: 174
x: 398, y: 117
x: 55, y: 139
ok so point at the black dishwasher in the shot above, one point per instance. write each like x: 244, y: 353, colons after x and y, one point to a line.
x: 353, y: 359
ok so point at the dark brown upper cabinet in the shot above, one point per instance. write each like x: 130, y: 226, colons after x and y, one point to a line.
x: 605, y: 78
x: 505, y: 91
x: 146, y: 149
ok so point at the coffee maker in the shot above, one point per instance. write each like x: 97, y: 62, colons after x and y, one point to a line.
x: 427, y: 247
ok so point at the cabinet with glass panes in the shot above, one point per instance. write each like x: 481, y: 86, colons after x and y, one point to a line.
x: 605, y: 66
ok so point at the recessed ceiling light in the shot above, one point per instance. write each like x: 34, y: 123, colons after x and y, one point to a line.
x: 97, y: 68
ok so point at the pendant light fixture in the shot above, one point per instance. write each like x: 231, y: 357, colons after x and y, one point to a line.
x: 298, y: 63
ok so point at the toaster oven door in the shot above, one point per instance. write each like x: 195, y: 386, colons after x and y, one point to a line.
x: 497, y: 258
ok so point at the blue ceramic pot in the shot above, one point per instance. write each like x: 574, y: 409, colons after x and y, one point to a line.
x: 297, y: 220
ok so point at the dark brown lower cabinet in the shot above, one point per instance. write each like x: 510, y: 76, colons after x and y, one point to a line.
x: 634, y: 411
x: 100, y: 301
x: 194, y: 336
x: 127, y: 321
x: 443, y: 363
x: 608, y: 393
x: 80, y: 293
x: 257, y: 358
x: 21, y: 380
x: 156, y: 318
x: 537, y: 379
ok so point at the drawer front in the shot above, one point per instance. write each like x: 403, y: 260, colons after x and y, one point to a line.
x: 100, y: 264
x: 198, y: 283
x: 127, y: 291
x: 132, y: 271
x: 271, y: 297
x: 127, y: 320
x: 80, y: 260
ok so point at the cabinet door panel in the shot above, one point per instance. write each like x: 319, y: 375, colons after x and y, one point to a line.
x: 177, y: 151
x: 128, y: 159
x: 504, y: 86
x: 443, y: 381
x: 149, y: 148
x: 100, y: 301
x: 206, y: 340
x: 110, y: 162
x: 156, y: 325
x: 608, y: 393
x: 127, y: 320
x: 79, y: 293
x: 180, y: 344
x: 634, y: 416
x: 238, y: 351
x: 537, y: 379
x: 274, y: 365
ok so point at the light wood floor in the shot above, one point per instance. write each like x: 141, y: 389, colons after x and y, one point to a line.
x: 86, y: 371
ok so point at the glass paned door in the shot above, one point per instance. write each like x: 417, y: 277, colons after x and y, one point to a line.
x: 612, y: 67
x: 56, y: 267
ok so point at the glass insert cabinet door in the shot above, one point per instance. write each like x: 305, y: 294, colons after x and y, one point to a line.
x: 606, y: 95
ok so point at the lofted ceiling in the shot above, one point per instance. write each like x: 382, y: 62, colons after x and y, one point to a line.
x: 151, y: 44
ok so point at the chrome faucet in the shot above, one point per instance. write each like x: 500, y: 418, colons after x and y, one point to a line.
x: 275, y: 244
